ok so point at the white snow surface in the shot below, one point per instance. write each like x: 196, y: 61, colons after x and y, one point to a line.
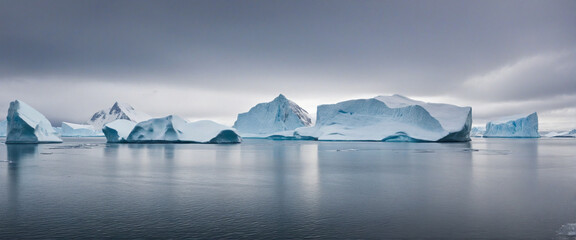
x: 117, y: 111
x: 26, y: 125
x: 118, y: 130
x: 389, y: 118
x: 517, y: 126
x: 3, y: 127
x: 175, y: 129
x: 278, y: 117
x: 79, y: 130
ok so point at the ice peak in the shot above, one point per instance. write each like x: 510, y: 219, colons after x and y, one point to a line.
x: 281, y: 97
x: 118, y: 110
x: 280, y: 114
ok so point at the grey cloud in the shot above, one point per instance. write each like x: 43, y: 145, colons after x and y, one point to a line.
x: 310, y: 49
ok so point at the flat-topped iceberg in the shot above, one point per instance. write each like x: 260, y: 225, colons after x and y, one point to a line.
x: 170, y: 129
x: 517, y: 126
x: 277, y: 118
x: 117, y: 111
x: 26, y: 125
x: 390, y: 118
x: 79, y: 130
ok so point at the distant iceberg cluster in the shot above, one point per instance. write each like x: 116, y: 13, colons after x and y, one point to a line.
x: 383, y: 118
x: 170, y: 129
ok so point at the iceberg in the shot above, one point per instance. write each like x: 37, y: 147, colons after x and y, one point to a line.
x: 391, y: 119
x: 477, y: 131
x: 276, y: 119
x: 26, y: 125
x: 118, y: 130
x: 566, y: 134
x: 518, y: 126
x: 3, y: 127
x: 79, y: 130
x: 170, y: 129
x: 117, y: 111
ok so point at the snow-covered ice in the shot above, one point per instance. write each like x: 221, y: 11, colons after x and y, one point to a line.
x: 566, y: 134
x: 117, y: 111
x: 277, y: 118
x: 118, y: 130
x: 517, y: 126
x: 389, y: 118
x: 26, y: 125
x: 170, y: 129
x: 79, y: 130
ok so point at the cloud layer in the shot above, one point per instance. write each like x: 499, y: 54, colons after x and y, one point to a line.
x: 214, y: 59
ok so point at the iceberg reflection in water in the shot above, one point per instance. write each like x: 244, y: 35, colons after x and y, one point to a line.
x: 484, y: 189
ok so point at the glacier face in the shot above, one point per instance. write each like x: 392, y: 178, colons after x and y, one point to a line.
x: 518, y: 126
x: 26, y: 125
x: 170, y: 129
x: 3, y: 127
x: 117, y: 111
x: 79, y: 130
x: 276, y: 118
x: 389, y: 118
x: 118, y: 130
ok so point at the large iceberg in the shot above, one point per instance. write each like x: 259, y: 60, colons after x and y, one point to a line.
x: 170, y: 129
x: 79, y: 130
x: 118, y: 131
x: 3, y: 127
x: 26, y: 125
x: 117, y: 111
x: 277, y: 118
x: 390, y: 118
x: 518, y: 126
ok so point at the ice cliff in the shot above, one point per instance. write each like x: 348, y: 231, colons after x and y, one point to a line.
x: 26, y: 125
x: 518, y: 126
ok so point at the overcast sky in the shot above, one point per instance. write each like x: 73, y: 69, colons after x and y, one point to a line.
x: 215, y: 59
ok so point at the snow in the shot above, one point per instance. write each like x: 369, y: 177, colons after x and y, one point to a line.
x: 117, y: 111
x: 26, y: 125
x: 170, y: 129
x: 276, y: 118
x: 389, y: 118
x: 118, y: 131
x: 517, y: 126
x: 3, y: 126
x: 79, y: 130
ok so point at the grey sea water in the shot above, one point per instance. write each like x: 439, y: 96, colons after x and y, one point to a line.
x: 263, y: 189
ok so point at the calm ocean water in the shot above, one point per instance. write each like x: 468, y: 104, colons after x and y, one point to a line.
x: 262, y: 189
